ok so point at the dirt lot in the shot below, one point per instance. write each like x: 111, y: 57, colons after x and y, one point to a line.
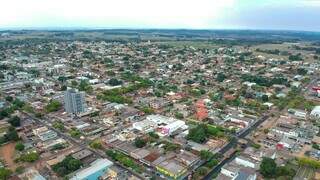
x: 7, y: 153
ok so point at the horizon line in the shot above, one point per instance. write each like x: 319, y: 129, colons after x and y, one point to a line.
x: 151, y: 28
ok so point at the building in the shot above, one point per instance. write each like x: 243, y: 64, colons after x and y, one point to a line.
x: 315, y: 113
x: 74, y: 101
x: 97, y: 169
x: 171, y: 168
x: 234, y: 171
x: 47, y: 135
x: 201, y: 110
x: 31, y: 174
x: 166, y: 125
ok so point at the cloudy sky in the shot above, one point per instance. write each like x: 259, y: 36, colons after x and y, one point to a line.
x: 195, y: 14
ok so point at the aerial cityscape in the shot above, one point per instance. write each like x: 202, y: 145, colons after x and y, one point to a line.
x: 159, y: 102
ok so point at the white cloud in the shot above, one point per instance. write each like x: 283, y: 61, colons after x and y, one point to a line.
x: 313, y: 3
x: 108, y: 13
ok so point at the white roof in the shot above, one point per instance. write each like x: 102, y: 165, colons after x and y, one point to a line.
x: 316, y: 110
x: 161, y: 119
x: 97, y: 165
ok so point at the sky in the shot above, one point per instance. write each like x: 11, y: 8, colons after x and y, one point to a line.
x: 166, y: 14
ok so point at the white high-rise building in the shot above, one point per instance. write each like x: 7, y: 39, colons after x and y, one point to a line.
x: 74, y: 101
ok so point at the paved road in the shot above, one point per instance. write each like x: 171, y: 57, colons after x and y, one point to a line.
x: 244, y: 133
x: 233, y: 144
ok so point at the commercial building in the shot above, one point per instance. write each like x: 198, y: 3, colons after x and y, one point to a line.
x: 97, y: 169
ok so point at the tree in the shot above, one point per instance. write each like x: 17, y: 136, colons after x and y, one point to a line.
x: 12, y: 134
x: 111, y: 73
x: 53, y: 106
x: 256, y: 146
x: 9, y: 98
x: 139, y: 143
x: 19, y: 146
x: 96, y: 144
x: 198, y: 134
x: 75, y: 133
x: 212, y: 163
x: 18, y: 103
x: 302, y: 71
x: 14, y: 121
x: 316, y: 146
x: 147, y: 110
x: 58, y: 125
x: 264, y: 98
x: 19, y: 170
x: 63, y: 88
x: 153, y: 135
x: 85, y: 86
x: 178, y: 115
x: 205, y: 155
x: 5, y: 173
x: 309, y: 162
x: 29, y: 157
x: 202, y: 171
x: 168, y: 146
x: 285, y: 171
x: 268, y: 167
x: 74, y: 164
x: 66, y: 166
x: 74, y: 83
x: 62, y: 78
x: 221, y: 77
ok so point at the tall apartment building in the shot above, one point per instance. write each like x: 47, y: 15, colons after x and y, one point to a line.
x: 74, y: 101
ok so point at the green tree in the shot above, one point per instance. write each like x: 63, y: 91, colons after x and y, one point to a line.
x: 5, y: 173
x: 63, y: 88
x: 19, y: 146
x: 19, y: 170
x: 12, y: 134
x: 178, y: 115
x: 205, y: 155
x: 14, y: 121
x: 114, y: 82
x: 74, y: 164
x: 29, y: 157
x: 139, y: 143
x: 212, y: 163
x: 66, y: 166
x: 268, y: 167
x: 221, y: 77
x: 58, y: 125
x: 74, y: 83
x: 153, y: 135
x: 202, y: 171
x: 75, y: 133
x: 96, y: 144
x: 147, y: 110
x: 286, y: 172
x: 264, y: 98
x: 198, y: 134
x: 9, y: 98
x: 85, y: 86
x: 18, y: 103
x: 53, y: 106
